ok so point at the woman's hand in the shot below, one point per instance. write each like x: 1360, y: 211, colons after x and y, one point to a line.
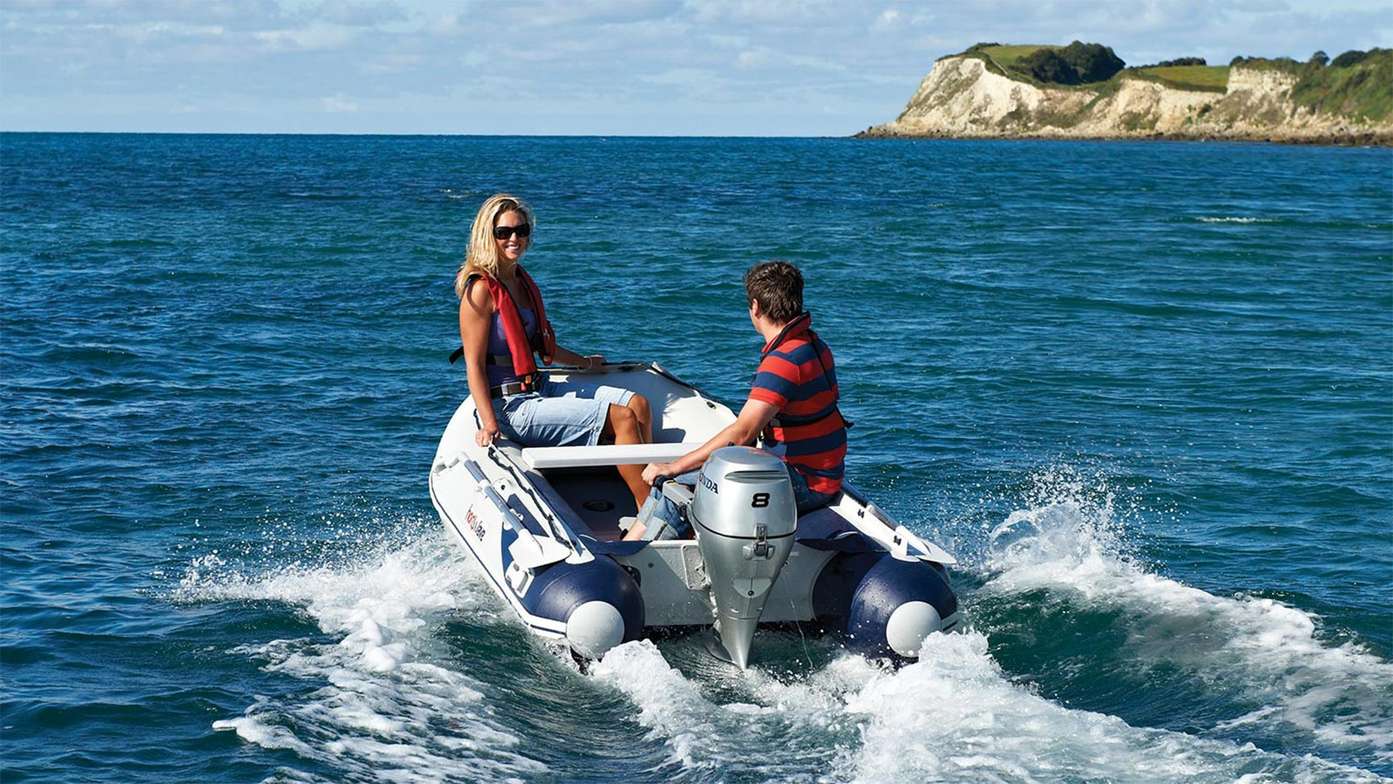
x: 583, y: 364
x: 486, y: 434
x: 655, y: 470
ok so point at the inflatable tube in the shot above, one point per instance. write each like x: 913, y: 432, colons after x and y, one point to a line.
x: 884, y: 606
x: 598, y: 601
x: 896, y: 605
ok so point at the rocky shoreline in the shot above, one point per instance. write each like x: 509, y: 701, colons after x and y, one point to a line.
x: 1361, y: 139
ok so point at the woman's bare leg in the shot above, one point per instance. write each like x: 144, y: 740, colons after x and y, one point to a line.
x: 644, y: 412
x: 622, y: 426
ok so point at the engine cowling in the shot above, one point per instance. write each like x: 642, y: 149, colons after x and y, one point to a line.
x: 745, y: 517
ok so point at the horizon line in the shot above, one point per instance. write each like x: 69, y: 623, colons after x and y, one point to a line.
x: 533, y: 134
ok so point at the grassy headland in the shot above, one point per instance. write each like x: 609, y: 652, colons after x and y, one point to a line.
x: 1356, y: 84
x: 1204, y: 78
x: 1361, y: 87
x: 1084, y: 90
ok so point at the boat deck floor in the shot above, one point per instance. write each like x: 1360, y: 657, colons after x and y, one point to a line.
x: 597, y: 495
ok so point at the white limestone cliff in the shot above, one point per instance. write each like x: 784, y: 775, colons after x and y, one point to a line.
x: 962, y: 97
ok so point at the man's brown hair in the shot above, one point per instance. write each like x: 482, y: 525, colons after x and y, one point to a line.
x: 778, y: 288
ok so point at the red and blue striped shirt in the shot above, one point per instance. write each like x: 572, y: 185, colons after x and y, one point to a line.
x: 797, y: 375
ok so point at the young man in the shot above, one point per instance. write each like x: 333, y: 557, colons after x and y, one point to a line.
x: 794, y: 395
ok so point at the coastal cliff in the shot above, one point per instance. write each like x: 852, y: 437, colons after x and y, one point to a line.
x: 973, y: 95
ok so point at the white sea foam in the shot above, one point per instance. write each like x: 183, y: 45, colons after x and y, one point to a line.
x: 669, y: 704
x: 1067, y: 544
x: 954, y: 716
x: 1235, y: 219
x: 379, y: 706
x: 380, y: 710
x: 771, y: 732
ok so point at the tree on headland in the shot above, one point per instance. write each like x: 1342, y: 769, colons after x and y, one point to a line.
x: 1093, y: 62
x: 1320, y: 59
x: 1285, y: 62
x: 1178, y: 61
x: 1045, y: 65
x: 1352, y: 57
x: 1077, y: 63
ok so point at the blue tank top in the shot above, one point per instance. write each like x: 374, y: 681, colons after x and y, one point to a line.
x: 498, y: 346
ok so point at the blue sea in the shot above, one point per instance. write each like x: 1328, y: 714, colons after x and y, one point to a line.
x: 1143, y: 391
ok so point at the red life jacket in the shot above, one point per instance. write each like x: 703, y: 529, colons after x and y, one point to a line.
x: 507, y: 309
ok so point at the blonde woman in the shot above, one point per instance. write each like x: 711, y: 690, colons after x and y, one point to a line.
x: 503, y: 324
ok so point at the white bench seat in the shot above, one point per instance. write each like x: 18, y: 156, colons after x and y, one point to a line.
x: 539, y: 457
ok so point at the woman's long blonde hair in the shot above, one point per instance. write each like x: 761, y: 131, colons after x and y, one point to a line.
x: 482, y: 255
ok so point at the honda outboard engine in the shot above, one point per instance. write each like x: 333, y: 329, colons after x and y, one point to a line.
x: 744, y: 514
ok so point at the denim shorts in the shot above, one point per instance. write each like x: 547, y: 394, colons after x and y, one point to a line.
x: 662, y: 518
x: 560, y: 414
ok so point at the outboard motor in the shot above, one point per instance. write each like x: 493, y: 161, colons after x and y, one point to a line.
x: 745, y: 516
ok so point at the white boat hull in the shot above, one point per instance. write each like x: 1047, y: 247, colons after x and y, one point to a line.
x: 543, y: 524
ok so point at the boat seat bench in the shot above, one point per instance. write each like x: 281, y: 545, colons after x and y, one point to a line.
x: 541, y: 457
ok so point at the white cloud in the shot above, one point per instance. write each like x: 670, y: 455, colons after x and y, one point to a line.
x: 749, y: 66
x: 785, y: 13
x: 728, y: 41
x: 752, y: 58
x: 682, y: 77
x: 569, y: 12
x: 393, y: 63
x: 371, y: 14
x: 151, y: 32
x: 315, y: 36
x: 338, y: 103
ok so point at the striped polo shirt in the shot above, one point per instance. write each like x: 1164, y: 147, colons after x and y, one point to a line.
x: 797, y: 375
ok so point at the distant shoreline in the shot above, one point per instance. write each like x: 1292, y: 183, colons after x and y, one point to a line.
x: 1333, y: 140
x: 1083, y: 91
x: 867, y: 134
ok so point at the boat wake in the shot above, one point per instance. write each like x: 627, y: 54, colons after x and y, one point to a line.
x: 386, y: 691
x: 375, y: 705
x: 951, y: 716
x: 1329, y: 697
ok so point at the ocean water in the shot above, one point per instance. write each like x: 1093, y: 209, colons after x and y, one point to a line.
x: 1143, y: 391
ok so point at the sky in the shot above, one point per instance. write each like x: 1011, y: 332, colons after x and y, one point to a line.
x: 607, y: 67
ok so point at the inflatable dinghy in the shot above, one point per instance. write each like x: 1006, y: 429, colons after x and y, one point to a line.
x: 545, y: 525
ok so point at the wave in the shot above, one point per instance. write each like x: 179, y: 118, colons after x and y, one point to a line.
x: 955, y: 716
x: 731, y: 726
x: 382, y: 709
x: 321, y: 195
x: 1234, y: 219
x: 952, y: 716
x: 384, y: 701
x: 1335, y: 696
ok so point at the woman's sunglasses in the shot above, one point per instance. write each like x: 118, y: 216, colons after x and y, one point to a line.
x: 523, y: 230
